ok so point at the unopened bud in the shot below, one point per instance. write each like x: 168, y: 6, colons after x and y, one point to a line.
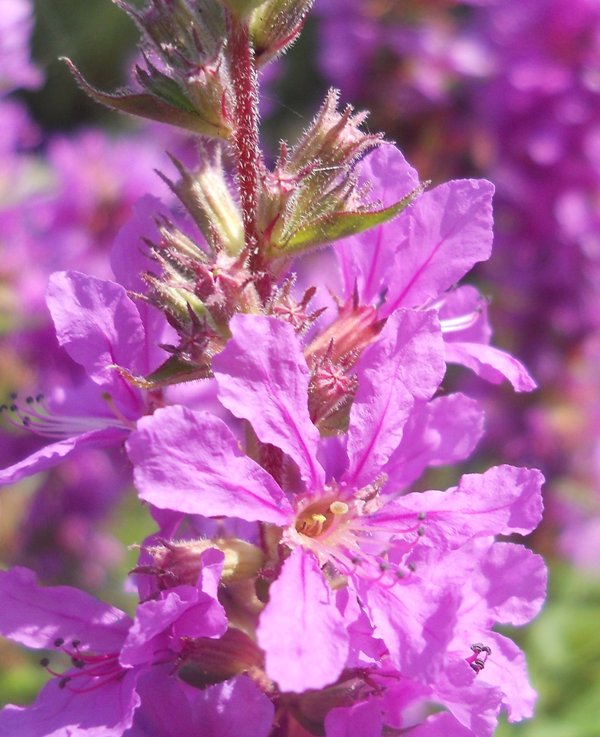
x: 275, y: 25
x: 207, y: 197
x: 208, y: 661
x: 242, y: 8
x: 179, y: 563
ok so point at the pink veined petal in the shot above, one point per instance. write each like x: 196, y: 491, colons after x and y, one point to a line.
x: 301, y: 630
x: 101, y: 329
x: 263, y: 378
x: 129, y: 257
x: 405, y: 362
x: 502, y: 501
x: 54, y: 453
x: 415, y: 626
x: 96, y: 323
x: 361, y: 720
x: 105, y: 711
x: 440, y: 725
x: 191, y: 462
x: 235, y: 708
x: 364, y: 259
x: 165, y: 710
x: 464, y: 316
x: 427, y: 440
x: 516, y: 583
x: 506, y: 670
x: 472, y: 702
x: 490, y: 364
x: 36, y: 616
x: 440, y: 238
x: 183, y: 611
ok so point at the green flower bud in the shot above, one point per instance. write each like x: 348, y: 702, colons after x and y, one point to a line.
x: 242, y: 8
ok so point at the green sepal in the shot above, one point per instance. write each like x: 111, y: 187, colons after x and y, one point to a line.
x: 176, y: 370
x: 164, y: 88
x: 173, y: 371
x: 166, y: 103
x: 333, y: 226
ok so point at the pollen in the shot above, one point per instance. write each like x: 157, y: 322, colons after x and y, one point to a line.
x: 312, y: 524
x: 338, y: 508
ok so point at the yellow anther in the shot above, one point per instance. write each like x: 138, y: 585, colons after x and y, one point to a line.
x: 312, y: 525
x: 338, y: 507
x: 318, y: 520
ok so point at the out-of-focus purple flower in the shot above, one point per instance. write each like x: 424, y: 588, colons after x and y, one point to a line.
x: 16, y: 69
x: 59, y: 534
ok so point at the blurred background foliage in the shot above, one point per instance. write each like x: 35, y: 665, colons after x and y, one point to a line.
x: 563, y: 644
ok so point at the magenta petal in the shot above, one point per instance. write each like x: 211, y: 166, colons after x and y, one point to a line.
x: 405, y: 362
x: 158, y: 687
x: 517, y: 580
x: 36, y: 616
x: 361, y: 720
x: 236, y: 708
x: 490, y: 364
x: 444, y: 233
x: 415, y: 626
x: 502, y: 501
x: 440, y: 725
x: 263, y: 378
x: 387, y: 173
x: 512, y: 494
x: 506, y: 669
x: 428, y: 442
x: 472, y: 701
x: 365, y: 258
x: 104, y: 711
x: 301, y: 630
x: 464, y: 318
x: 53, y: 454
x: 185, y: 609
x: 130, y: 257
x: 96, y: 323
x: 191, y: 462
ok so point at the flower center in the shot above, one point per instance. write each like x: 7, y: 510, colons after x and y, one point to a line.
x: 319, y: 518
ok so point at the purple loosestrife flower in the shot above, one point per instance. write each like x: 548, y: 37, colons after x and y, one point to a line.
x: 118, y: 665
x: 336, y: 531
x: 102, y: 330
x: 417, y: 259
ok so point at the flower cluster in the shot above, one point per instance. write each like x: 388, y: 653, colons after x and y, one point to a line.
x: 508, y: 90
x: 275, y: 404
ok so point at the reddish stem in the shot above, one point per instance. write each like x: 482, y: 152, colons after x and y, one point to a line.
x: 249, y: 160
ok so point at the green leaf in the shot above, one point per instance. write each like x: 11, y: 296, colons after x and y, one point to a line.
x: 176, y: 110
x: 338, y: 225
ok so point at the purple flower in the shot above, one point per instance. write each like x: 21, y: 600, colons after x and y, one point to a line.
x: 332, y: 525
x: 417, y: 259
x: 101, y: 329
x: 115, y: 660
x: 16, y: 69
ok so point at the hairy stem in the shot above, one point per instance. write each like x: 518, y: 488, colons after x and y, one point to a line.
x: 249, y: 161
